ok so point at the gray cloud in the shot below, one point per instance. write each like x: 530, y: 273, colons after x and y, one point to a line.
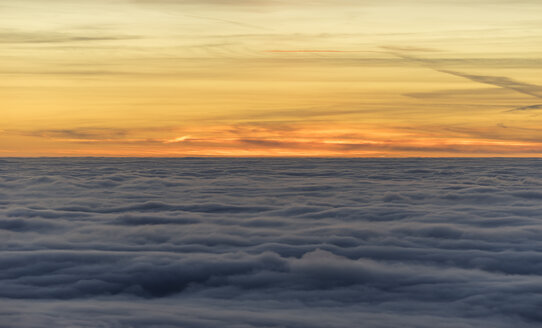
x: 37, y: 37
x: 526, y: 108
x: 501, y: 81
x: 79, y: 133
x: 270, y: 243
x: 457, y: 93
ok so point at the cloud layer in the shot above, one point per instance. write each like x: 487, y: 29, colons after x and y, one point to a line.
x: 270, y: 243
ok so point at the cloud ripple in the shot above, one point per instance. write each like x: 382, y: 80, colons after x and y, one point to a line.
x: 270, y: 243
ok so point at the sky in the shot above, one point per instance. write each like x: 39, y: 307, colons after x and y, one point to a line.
x: 327, y: 78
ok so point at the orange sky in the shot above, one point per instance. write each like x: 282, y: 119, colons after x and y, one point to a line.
x: 270, y: 78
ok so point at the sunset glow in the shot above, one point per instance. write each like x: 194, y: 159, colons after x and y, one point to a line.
x: 271, y: 78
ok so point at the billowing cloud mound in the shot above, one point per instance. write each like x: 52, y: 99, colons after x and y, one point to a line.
x: 270, y: 243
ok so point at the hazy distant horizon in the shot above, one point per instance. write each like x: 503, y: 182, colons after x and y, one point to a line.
x: 271, y: 157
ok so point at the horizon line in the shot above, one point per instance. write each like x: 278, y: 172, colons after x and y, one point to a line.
x: 276, y: 157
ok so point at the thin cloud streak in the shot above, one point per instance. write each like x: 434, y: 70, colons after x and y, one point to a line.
x: 500, y: 81
x: 526, y: 108
x: 227, y: 21
x: 38, y: 37
x: 314, y: 50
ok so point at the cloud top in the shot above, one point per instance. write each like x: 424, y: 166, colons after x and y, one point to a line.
x: 270, y: 243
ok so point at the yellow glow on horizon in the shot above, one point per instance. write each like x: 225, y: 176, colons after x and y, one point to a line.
x: 270, y: 78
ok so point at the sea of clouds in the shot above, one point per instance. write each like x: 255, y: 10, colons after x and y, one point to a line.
x: 270, y: 243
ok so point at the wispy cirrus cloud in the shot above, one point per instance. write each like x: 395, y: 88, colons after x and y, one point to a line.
x: 240, y: 3
x: 410, y: 49
x: 526, y: 108
x: 500, y: 81
x: 229, y: 21
x: 313, y: 50
x: 78, y: 133
x: 43, y: 37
